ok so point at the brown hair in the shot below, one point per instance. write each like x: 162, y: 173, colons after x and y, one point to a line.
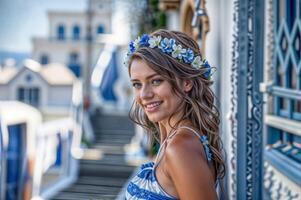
x: 198, y: 104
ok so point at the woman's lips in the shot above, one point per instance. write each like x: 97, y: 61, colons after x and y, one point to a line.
x: 152, y: 107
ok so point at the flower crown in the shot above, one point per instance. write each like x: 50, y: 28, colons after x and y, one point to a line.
x: 170, y: 47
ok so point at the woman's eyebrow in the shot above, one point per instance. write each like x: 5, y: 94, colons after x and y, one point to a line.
x: 148, y: 77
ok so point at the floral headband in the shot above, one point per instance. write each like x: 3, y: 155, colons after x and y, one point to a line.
x: 170, y: 47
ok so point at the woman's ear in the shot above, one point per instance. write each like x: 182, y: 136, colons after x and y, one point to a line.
x: 187, y: 85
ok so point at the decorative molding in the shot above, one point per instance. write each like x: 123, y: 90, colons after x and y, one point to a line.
x: 246, y: 100
x: 233, y: 100
x: 275, y: 187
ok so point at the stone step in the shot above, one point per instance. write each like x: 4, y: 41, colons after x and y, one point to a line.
x: 112, y: 143
x: 111, y: 123
x: 113, y: 137
x: 117, y: 159
x: 113, y: 132
x: 83, y: 196
x: 105, y: 170
x: 105, y: 148
x: 101, y: 181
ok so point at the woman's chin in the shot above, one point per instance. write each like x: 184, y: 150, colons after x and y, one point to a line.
x: 152, y: 118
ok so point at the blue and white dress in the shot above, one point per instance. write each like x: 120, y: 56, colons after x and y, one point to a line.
x: 145, y: 185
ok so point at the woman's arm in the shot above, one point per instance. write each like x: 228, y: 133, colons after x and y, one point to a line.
x: 186, y: 164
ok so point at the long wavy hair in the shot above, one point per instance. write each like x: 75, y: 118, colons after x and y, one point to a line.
x: 198, y: 103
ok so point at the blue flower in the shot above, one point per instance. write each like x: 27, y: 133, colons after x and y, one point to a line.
x: 188, y: 56
x: 207, y: 66
x: 144, y: 40
x: 166, y: 45
x: 169, y: 46
x: 132, y: 47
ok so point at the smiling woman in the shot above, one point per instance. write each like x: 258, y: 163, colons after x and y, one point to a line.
x: 174, y: 103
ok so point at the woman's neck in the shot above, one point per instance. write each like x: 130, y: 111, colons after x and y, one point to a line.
x: 167, y: 128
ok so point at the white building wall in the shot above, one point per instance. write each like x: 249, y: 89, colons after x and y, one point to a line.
x: 60, y: 96
x: 219, y: 54
x: 3, y: 92
x: 68, y: 19
x: 58, y: 51
x: 104, y: 19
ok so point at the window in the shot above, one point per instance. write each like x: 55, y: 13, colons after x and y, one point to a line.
x: 76, y: 32
x: 284, y: 119
x: 74, y: 63
x: 100, y: 29
x: 44, y: 59
x: 29, y: 95
x: 73, y: 57
x: 60, y: 32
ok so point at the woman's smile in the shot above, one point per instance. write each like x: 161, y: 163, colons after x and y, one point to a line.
x: 153, y: 106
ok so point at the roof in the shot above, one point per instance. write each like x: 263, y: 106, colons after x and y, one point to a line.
x: 57, y: 74
x: 53, y: 74
x: 7, y: 73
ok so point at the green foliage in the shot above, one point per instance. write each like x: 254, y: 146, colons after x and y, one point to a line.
x: 153, y: 18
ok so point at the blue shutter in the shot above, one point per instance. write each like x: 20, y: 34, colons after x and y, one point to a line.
x: 14, y: 162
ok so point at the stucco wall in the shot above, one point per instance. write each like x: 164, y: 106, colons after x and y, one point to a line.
x: 59, y: 96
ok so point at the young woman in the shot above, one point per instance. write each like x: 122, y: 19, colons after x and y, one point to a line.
x: 174, y: 103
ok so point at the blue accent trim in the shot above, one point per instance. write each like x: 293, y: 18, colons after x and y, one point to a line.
x: 1, y: 157
x: 139, y: 193
x: 76, y: 32
x: 61, y: 32
x: 285, y: 165
x: 14, y: 162
x: 59, y: 151
x: 297, y: 116
x: 100, y: 29
x: 284, y: 113
x: 273, y: 136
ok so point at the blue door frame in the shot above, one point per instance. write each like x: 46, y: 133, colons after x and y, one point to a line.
x: 1, y: 162
x: 14, y: 163
x: 246, y: 100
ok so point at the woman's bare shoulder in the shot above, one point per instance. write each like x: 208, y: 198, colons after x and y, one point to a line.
x: 188, y: 168
x: 185, y: 143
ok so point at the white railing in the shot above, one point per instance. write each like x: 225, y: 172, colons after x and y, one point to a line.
x: 55, y: 167
x: 58, y: 143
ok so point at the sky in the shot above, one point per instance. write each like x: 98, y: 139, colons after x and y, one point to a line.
x: 20, y: 20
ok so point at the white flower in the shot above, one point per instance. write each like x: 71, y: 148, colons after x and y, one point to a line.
x: 154, y: 41
x: 197, y: 62
x: 136, y: 43
x: 177, y: 51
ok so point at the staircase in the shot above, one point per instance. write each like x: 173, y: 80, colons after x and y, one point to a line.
x: 103, y: 170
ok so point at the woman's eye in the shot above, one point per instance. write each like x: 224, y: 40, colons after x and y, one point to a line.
x: 136, y: 85
x: 156, y: 81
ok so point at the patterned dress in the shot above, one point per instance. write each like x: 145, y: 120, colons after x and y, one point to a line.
x: 145, y: 185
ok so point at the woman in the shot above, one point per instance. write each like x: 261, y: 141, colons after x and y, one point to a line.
x: 174, y: 103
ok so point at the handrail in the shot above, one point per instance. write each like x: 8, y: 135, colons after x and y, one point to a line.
x: 54, y: 138
x: 59, y: 137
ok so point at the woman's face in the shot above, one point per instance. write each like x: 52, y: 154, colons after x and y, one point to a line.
x: 152, y: 92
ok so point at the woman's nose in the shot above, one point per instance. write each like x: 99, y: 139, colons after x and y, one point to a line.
x: 146, y: 92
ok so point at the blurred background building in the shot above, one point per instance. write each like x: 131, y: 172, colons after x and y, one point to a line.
x: 72, y: 129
